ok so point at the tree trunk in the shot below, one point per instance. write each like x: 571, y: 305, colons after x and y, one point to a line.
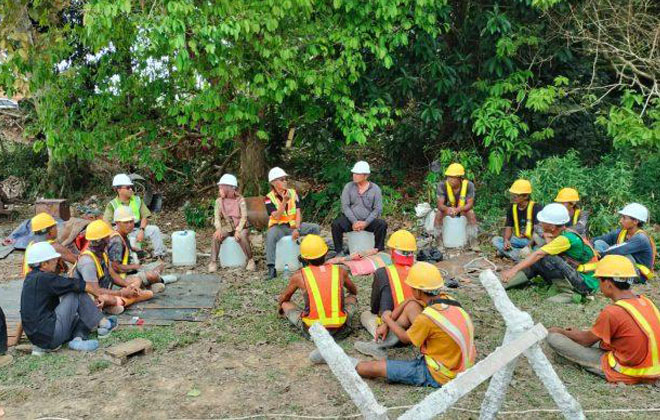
x: 253, y: 164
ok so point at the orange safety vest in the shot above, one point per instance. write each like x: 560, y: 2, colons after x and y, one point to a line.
x: 126, y: 251
x: 454, y: 321
x: 646, y: 272
x: 26, y: 267
x: 324, y: 293
x: 288, y: 216
x: 462, y: 196
x: 647, y: 317
x: 397, y: 276
x: 530, y: 220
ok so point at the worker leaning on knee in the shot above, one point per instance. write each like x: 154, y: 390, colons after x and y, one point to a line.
x: 567, y: 260
x: 284, y: 216
x: 521, y: 222
x: 44, y: 228
x: 631, y: 240
x: 124, y: 187
x: 627, y: 332
x: 570, y: 198
x: 443, y: 332
x: 456, y: 196
x: 322, y: 286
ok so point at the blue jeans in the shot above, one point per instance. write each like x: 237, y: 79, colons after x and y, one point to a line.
x: 410, y: 372
x: 516, y: 244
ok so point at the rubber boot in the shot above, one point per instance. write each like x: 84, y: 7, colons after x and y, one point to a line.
x: 566, y: 291
x: 377, y: 349
x: 369, y: 321
x: 520, y: 279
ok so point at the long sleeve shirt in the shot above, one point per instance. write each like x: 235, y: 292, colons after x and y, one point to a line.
x: 219, y: 217
x: 361, y: 207
x: 639, y: 246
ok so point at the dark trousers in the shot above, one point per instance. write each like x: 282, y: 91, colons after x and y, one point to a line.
x: 341, y: 225
x: 3, y: 333
x: 76, y: 316
x: 554, y: 267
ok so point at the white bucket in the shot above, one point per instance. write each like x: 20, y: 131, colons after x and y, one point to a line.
x: 360, y: 241
x: 231, y: 254
x: 184, y: 248
x: 287, y: 252
x: 454, y: 232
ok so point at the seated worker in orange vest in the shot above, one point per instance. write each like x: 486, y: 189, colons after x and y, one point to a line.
x: 456, y: 198
x: 94, y: 267
x: 443, y: 332
x: 521, y: 222
x: 323, y: 292
x: 631, y: 241
x: 285, y: 216
x: 119, y: 254
x: 44, y: 228
x: 570, y: 198
x: 628, y: 331
x: 567, y: 260
x: 388, y: 291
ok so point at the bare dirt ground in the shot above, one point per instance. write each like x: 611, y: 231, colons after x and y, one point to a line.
x: 245, y: 361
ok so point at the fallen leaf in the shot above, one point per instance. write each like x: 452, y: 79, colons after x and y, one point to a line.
x: 194, y: 393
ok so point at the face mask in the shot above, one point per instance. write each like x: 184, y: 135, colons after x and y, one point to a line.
x: 400, y: 259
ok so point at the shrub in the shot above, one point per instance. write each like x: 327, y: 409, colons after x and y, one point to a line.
x: 198, y: 215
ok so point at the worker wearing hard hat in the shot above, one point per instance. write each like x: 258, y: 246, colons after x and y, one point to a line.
x: 55, y: 309
x: 44, y: 228
x: 284, y: 216
x: 94, y: 268
x: 389, y: 291
x: 443, y: 332
x: 567, y: 260
x: 631, y: 240
x: 570, y: 198
x: 456, y: 198
x: 230, y: 219
x: 323, y: 287
x: 627, y: 332
x: 361, y: 207
x: 521, y: 222
x: 124, y: 187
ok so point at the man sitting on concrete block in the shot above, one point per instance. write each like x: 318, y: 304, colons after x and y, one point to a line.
x: 443, y: 332
x: 627, y: 331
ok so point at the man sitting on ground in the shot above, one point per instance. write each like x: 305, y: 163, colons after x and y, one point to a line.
x: 94, y: 268
x: 323, y: 291
x: 570, y: 198
x: 628, y: 330
x: 563, y: 261
x: 443, y: 332
x: 44, y: 228
x: 56, y: 309
x: 521, y: 222
x: 630, y: 240
x: 361, y: 205
x: 456, y: 198
x: 123, y: 185
x: 389, y: 291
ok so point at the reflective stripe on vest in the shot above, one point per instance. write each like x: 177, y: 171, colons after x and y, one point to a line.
x: 576, y: 217
x: 134, y: 203
x: 454, y: 321
x: 323, y: 292
x: 400, y: 290
x: 288, y: 216
x: 99, y: 268
x: 462, y: 196
x: 125, y: 251
x: 646, y: 272
x: 26, y: 267
x: 647, y: 317
x: 530, y: 220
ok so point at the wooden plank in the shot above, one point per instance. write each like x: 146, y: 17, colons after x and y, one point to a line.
x: 119, y: 353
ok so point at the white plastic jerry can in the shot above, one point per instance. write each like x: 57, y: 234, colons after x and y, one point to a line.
x: 184, y: 248
x: 454, y: 231
x: 231, y: 254
x: 360, y: 241
x: 287, y: 252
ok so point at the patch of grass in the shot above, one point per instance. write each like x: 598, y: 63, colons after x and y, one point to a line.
x: 25, y: 367
x: 97, y: 365
x: 166, y: 337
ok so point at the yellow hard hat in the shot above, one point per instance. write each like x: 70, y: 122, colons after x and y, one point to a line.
x: 313, y: 247
x: 96, y: 230
x: 567, y: 195
x: 425, y: 276
x: 615, y: 266
x: 42, y: 221
x: 521, y: 186
x: 402, y: 240
x: 455, y: 169
x: 124, y: 214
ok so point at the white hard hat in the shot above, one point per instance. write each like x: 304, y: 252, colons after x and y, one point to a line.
x: 120, y: 180
x: 554, y: 214
x: 40, y: 252
x: 124, y: 214
x: 636, y: 211
x: 361, y: 167
x: 275, y: 173
x: 228, y: 179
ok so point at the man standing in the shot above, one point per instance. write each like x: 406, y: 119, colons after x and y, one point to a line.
x: 361, y: 205
x: 628, y: 332
x: 123, y: 185
x: 456, y: 198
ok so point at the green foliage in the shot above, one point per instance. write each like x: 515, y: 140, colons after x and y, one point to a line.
x: 98, y: 365
x: 630, y: 126
x: 198, y: 215
x: 22, y: 161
